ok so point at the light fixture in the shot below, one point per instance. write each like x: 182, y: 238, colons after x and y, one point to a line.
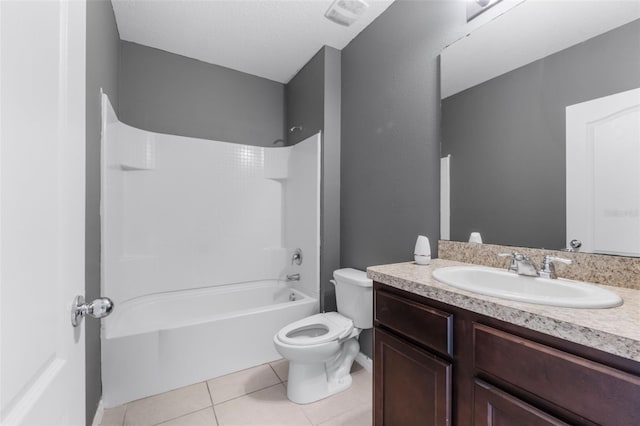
x: 476, y: 7
x: 346, y: 12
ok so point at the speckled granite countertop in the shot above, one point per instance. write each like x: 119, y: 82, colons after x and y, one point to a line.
x: 613, y: 330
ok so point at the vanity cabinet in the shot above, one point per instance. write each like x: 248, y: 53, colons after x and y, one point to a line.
x: 436, y: 364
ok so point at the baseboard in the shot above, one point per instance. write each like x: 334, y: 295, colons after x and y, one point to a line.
x: 97, y: 418
x: 364, y: 361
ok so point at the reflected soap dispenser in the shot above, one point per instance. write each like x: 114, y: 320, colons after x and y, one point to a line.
x: 475, y: 237
x: 422, y: 251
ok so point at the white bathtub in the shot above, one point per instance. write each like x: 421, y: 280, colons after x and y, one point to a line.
x: 160, y: 342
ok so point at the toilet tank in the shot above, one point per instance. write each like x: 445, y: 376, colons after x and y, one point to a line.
x: 354, y: 296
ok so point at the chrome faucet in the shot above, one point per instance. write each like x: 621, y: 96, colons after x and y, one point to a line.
x: 293, y: 277
x: 520, y: 264
x: 548, y: 269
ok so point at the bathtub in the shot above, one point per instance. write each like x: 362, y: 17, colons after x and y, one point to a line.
x: 163, y: 341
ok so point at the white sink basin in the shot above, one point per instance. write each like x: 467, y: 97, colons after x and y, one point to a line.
x: 541, y: 291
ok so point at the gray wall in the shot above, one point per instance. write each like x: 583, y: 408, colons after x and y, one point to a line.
x: 390, y: 133
x: 168, y: 93
x: 313, y: 103
x: 507, y: 139
x: 102, y: 72
x: 331, y: 151
x: 305, y: 100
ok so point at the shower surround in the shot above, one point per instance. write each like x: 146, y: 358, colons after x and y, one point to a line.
x: 197, y: 240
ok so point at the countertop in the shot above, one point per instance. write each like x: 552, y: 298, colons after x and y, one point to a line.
x: 612, y: 330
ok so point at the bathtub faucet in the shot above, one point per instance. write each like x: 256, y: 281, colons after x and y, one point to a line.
x: 293, y: 277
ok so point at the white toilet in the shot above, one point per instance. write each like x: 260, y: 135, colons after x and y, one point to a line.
x: 321, y: 348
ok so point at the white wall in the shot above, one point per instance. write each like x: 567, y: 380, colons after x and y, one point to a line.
x: 180, y: 213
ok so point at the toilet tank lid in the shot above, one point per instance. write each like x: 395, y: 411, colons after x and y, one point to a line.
x: 352, y: 276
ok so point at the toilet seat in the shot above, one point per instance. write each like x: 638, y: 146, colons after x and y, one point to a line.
x: 316, y: 329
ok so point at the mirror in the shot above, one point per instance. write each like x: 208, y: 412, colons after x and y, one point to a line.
x: 515, y: 93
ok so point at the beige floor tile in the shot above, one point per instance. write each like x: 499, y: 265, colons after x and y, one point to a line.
x: 362, y: 416
x: 281, y: 368
x: 359, y: 394
x: 241, y: 383
x: 199, y: 418
x: 363, y: 386
x: 113, y: 416
x: 264, y: 408
x: 167, y: 406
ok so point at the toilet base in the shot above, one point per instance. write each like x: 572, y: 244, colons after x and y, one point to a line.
x: 310, y: 382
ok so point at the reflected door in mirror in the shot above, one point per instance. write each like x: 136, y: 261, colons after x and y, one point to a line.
x: 603, y: 178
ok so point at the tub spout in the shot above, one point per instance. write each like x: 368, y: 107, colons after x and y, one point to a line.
x: 293, y: 277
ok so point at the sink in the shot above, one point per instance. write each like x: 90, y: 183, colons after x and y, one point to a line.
x: 541, y: 291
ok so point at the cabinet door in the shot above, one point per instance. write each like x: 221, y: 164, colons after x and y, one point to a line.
x: 493, y: 407
x: 596, y: 392
x: 412, y: 386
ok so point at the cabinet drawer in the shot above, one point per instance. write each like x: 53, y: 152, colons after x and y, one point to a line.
x: 492, y: 407
x: 430, y: 327
x: 591, y: 390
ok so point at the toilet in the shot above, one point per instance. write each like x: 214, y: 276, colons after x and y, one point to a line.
x: 321, y: 348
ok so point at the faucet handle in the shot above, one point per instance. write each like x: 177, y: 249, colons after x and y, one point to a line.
x: 514, y: 255
x: 513, y: 267
x: 549, y: 259
x: 297, y: 257
x: 548, y: 269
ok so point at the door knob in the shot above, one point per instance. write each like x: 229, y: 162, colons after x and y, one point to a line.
x: 99, y: 308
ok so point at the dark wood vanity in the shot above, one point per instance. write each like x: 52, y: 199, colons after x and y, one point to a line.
x: 437, y: 364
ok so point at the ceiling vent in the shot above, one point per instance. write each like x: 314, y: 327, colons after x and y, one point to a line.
x: 346, y: 12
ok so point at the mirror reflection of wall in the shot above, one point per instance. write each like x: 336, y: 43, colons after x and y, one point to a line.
x: 506, y: 135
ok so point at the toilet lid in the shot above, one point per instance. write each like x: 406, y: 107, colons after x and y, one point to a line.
x: 316, y: 329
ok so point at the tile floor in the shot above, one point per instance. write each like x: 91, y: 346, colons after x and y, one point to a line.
x: 256, y: 396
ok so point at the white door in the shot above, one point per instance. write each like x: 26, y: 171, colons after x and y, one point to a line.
x: 42, y: 160
x: 603, y: 174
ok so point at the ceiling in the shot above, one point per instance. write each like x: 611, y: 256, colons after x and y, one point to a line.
x: 531, y: 30
x: 268, y: 38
